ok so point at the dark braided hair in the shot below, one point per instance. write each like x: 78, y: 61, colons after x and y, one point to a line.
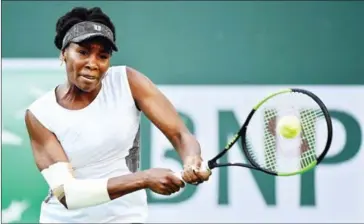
x: 80, y: 14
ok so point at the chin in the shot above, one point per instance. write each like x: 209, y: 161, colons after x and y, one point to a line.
x: 86, y: 88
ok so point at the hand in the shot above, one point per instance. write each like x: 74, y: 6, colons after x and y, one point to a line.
x: 192, y: 171
x: 163, y: 181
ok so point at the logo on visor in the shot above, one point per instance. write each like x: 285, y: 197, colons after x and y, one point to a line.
x: 97, y: 27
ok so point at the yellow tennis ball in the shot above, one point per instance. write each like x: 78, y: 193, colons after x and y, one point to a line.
x: 289, y: 126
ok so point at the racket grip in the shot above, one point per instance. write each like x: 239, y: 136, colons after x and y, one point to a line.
x: 204, y: 167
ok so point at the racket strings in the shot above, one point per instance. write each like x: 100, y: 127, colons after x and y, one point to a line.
x: 278, y: 151
x: 251, y: 151
x: 309, y: 120
x: 270, y: 139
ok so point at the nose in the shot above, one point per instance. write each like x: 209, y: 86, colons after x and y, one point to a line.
x: 92, y: 63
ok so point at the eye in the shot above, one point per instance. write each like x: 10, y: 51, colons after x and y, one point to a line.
x: 104, y: 56
x: 82, y: 52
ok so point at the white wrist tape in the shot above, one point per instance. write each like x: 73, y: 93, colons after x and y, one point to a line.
x: 78, y: 193
x: 85, y: 193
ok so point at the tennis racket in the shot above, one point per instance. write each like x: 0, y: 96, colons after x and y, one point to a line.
x: 266, y: 150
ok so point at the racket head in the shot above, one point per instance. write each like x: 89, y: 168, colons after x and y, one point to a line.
x: 274, y: 154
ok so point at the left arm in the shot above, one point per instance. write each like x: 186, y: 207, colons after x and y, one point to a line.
x: 159, y: 110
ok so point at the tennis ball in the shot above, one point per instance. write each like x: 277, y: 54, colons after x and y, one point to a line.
x: 289, y: 126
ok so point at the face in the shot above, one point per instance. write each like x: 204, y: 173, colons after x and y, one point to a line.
x: 86, y: 64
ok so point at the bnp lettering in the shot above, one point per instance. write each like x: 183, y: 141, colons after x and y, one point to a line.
x: 266, y: 184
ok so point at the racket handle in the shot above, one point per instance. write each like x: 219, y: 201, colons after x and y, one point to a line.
x: 204, y: 167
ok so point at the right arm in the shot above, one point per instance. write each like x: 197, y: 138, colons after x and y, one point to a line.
x: 54, y: 165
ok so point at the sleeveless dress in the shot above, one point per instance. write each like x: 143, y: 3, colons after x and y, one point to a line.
x: 100, y: 140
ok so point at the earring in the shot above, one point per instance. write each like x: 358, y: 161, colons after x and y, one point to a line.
x: 62, y: 59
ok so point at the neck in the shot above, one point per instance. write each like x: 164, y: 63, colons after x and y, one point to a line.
x: 72, y: 93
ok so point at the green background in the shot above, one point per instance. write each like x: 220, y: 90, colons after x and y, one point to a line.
x: 183, y: 43
x: 212, y: 42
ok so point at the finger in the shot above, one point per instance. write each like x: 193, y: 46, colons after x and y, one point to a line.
x: 195, y: 177
x: 175, y: 187
x: 166, y: 186
x: 203, y: 175
x: 187, y: 175
x: 203, y: 172
x: 199, y: 181
x: 167, y: 190
x: 177, y: 181
x: 172, y: 187
x: 192, y: 176
x: 173, y: 183
x: 163, y: 192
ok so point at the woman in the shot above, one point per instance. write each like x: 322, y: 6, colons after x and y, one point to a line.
x: 84, y: 133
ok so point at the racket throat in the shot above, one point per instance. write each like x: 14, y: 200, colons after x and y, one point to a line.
x: 212, y: 164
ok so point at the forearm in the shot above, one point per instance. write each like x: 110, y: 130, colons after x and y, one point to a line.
x: 122, y: 185
x: 186, y: 146
x: 76, y: 193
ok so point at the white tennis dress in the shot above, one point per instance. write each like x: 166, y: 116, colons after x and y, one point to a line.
x: 101, y: 140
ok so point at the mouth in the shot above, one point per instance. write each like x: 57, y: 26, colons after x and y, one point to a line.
x: 89, y: 77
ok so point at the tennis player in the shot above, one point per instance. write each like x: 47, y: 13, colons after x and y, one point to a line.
x: 85, y: 132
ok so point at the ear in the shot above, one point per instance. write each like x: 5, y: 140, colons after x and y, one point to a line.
x: 62, y: 56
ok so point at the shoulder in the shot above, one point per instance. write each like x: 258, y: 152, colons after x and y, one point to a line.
x: 117, y: 70
x: 115, y: 74
x: 43, y: 101
x: 127, y: 74
x: 136, y: 77
x: 120, y: 70
x: 42, y: 109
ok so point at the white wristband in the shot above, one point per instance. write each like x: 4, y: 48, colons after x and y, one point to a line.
x: 78, y: 193
x: 86, y: 193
